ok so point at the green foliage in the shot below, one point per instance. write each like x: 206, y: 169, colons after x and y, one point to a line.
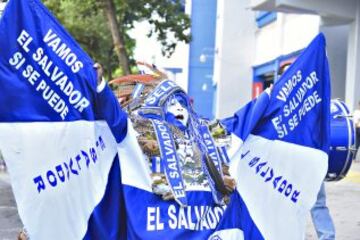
x: 169, y: 23
x: 87, y: 23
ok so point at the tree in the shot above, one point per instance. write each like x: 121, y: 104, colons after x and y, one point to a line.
x: 118, y: 40
x: 88, y: 22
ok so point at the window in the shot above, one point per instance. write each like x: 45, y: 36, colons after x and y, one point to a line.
x: 268, y: 73
x: 263, y: 18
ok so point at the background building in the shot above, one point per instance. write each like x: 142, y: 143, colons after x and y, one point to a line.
x: 254, y: 38
x: 236, y: 52
x: 238, y: 46
x: 340, y: 22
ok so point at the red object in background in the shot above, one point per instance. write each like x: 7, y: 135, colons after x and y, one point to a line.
x: 257, y: 88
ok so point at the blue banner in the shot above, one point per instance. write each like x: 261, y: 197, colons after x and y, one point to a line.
x: 170, y: 161
x: 285, y: 141
x: 160, y: 93
x: 48, y: 75
x: 209, y: 148
x: 300, y: 98
x: 60, y: 124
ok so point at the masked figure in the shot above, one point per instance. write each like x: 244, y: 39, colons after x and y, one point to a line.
x: 165, y: 122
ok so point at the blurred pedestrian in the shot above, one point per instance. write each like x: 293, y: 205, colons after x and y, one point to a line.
x: 321, y: 218
x: 356, y: 118
x: 23, y: 235
x: 2, y: 162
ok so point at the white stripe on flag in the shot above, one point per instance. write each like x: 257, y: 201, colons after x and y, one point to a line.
x: 59, y: 172
x: 278, y: 180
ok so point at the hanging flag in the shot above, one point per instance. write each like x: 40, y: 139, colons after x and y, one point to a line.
x: 284, y: 138
x: 54, y: 128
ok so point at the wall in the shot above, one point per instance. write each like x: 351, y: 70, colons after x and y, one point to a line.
x: 336, y: 46
x: 289, y: 33
x: 352, y: 87
x: 235, y: 42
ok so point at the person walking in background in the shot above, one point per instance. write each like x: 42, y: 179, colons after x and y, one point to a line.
x: 2, y: 162
x: 321, y: 217
x: 356, y: 118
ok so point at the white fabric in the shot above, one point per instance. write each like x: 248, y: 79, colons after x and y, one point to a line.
x: 101, y: 86
x: 276, y: 216
x: 51, y: 213
x: 227, y: 234
x: 136, y: 171
x: 356, y: 117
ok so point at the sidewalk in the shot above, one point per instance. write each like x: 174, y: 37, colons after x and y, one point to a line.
x: 343, y: 200
x: 10, y: 224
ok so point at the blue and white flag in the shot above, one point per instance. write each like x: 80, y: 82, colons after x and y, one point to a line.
x: 60, y: 136
x: 284, y: 138
x: 54, y: 129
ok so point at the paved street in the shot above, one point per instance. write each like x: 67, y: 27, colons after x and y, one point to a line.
x: 10, y: 223
x: 343, y: 200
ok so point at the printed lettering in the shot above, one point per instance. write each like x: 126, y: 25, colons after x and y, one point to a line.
x: 24, y: 40
x: 87, y: 159
x: 60, y: 173
x: 93, y: 154
x: 172, y: 217
x: 288, y: 190
x: 258, y: 167
x: 271, y: 176
x: 182, y: 219
x: 40, y: 183
x: 244, y: 154
x: 150, y: 223
x: 71, y: 164
x: 254, y: 161
x: 51, y: 178
x: 78, y: 158
x: 295, y: 196
x: 17, y: 60
x: 282, y: 186
x: 263, y: 173
x: 276, y: 180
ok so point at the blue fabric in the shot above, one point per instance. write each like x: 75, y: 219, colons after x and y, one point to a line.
x: 169, y: 223
x: 17, y: 92
x: 165, y: 218
x: 170, y: 161
x: 28, y: 78
x: 107, y: 107
x: 298, y: 110
x: 42, y: 68
x: 237, y: 216
x: 170, y: 118
x: 108, y: 218
x: 245, y: 120
x: 321, y: 218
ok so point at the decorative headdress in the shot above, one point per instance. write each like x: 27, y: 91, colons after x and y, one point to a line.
x: 149, y: 95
